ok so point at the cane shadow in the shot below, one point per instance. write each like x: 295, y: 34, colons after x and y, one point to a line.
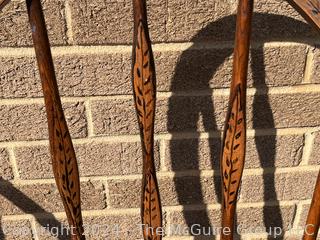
x: 198, y: 70
x: 49, y: 223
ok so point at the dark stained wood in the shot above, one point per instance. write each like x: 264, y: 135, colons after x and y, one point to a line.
x: 313, y: 220
x: 234, y: 139
x: 144, y: 88
x: 64, y: 161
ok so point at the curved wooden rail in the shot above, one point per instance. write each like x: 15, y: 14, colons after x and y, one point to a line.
x: 309, y: 10
x: 64, y: 161
x: 313, y: 220
x: 3, y: 3
x: 144, y: 88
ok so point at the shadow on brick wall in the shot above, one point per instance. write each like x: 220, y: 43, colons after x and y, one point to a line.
x: 194, y: 71
x: 46, y: 220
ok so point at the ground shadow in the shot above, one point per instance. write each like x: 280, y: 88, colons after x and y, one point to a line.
x: 197, y: 70
x: 47, y: 220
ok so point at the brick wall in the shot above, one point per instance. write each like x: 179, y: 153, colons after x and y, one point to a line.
x: 91, y: 46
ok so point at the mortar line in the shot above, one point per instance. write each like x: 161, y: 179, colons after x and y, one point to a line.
x: 297, y: 218
x: 13, y: 163
x: 17, y: 217
x: 107, y: 192
x: 308, y: 66
x: 89, y: 118
x: 136, y: 210
x: 189, y: 173
x: 297, y: 234
x: 34, y: 228
x: 255, y: 236
x: 307, y: 148
x: 157, y: 47
x: 173, y: 237
x: 68, y: 17
x: 276, y: 90
x: 163, y: 165
x: 164, y: 136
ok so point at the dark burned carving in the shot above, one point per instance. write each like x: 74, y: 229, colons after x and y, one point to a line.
x: 65, y: 169
x: 315, y: 6
x: 233, y: 154
x: 151, y: 214
x: 144, y: 87
x: 234, y: 138
x: 64, y: 161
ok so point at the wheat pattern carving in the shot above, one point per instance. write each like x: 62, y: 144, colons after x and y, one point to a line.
x: 66, y: 172
x: 145, y: 100
x: 233, y: 151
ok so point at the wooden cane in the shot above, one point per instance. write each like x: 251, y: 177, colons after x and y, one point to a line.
x: 144, y: 88
x: 313, y: 221
x: 234, y: 139
x: 64, y: 161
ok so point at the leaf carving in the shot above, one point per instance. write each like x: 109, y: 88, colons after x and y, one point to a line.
x: 233, y: 151
x: 151, y: 209
x: 66, y: 172
x: 64, y: 161
x: 145, y: 100
x: 144, y: 88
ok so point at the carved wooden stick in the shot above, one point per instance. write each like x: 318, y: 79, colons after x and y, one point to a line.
x: 63, y: 156
x: 144, y: 87
x: 309, y: 9
x: 313, y: 220
x: 234, y: 140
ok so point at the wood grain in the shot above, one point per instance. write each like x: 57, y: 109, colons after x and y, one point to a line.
x: 313, y: 220
x: 144, y: 87
x: 309, y: 9
x: 3, y: 3
x: 234, y: 137
x: 64, y: 161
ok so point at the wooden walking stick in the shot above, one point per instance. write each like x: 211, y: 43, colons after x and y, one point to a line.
x: 313, y: 220
x: 144, y: 88
x: 234, y: 139
x: 64, y: 161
